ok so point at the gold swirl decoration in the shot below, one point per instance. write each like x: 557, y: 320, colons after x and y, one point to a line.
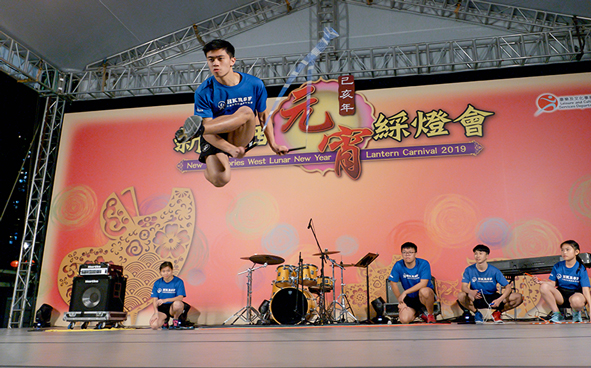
x: 533, y: 238
x: 447, y: 291
x: 451, y: 220
x: 530, y: 289
x: 580, y: 198
x: 139, y: 244
x: 75, y: 207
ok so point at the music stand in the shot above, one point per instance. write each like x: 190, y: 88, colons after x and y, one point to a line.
x: 364, y: 263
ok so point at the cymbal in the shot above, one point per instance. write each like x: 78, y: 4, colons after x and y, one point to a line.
x: 265, y: 258
x: 347, y: 265
x: 327, y: 252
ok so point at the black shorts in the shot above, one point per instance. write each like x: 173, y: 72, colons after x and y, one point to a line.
x: 415, y: 303
x: 483, y: 303
x: 207, y: 149
x: 566, y: 294
x: 165, y: 308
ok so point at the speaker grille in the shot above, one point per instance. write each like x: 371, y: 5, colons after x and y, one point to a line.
x: 98, y: 293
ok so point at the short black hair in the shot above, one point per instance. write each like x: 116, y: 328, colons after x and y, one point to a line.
x: 166, y: 264
x: 481, y: 248
x: 219, y: 45
x: 409, y: 245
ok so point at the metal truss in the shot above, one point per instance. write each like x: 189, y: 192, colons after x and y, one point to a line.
x: 194, y: 37
x: 423, y: 58
x: 39, y: 197
x: 28, y: 68
x: 256, y: 13
x: 512, y: 18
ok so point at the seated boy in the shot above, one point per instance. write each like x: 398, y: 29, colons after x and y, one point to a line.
x: 479, y: 288
x: 415, y: 276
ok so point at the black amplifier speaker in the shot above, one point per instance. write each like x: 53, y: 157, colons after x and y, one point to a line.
x: 98, y: 293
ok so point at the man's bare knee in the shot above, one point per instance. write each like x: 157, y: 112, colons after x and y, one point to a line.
x: 246, y: 112
x: 218, y: 179
x: 426, y: 292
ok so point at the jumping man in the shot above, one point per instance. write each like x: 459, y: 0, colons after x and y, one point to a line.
x: 228, y: 106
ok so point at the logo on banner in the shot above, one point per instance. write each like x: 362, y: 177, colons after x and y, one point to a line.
x: 548, y: 103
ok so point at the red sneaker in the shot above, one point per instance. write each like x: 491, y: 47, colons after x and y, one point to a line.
x: 497, y: 317
x: 430, y: 318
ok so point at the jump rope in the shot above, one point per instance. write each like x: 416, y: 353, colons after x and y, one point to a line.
x: 328, y: 35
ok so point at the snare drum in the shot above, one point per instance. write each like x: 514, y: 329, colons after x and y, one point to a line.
x: 289, y: 305
x: 309, y: 274
x: 286, y: 275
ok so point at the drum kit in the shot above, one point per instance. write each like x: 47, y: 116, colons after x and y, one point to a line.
x: 298, y: 293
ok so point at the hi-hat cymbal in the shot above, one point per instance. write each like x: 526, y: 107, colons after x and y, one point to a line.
x: 265, y: 258
x: 327, y: 252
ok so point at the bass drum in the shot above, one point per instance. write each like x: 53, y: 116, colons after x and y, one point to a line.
x: 289, y: 305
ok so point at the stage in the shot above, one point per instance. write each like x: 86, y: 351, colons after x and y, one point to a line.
x: 418, y: 345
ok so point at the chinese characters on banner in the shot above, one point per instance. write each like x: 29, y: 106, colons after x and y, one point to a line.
x: 346, y: 95
x: 431, y: 124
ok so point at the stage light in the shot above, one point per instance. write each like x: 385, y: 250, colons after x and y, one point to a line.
x: 14, y: 263
x: 378, y: 305
x: 264, y: 307
x: 43, y: 316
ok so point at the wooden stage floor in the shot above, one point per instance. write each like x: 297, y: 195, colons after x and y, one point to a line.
x: 418, y: 345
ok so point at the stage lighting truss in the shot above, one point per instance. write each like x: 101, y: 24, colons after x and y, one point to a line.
x: 370, y: 63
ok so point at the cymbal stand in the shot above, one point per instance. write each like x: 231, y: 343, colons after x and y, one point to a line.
x: 323, y: 315
x: 341, y: 304
x: 251, y: 313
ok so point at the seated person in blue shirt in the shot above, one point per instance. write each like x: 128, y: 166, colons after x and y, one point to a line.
x: 415, y: 276
x: 479, y: 288
x: 568, y: 285
x: 167, y: 297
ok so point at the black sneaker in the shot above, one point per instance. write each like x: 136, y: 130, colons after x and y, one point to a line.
x: 192, y: 128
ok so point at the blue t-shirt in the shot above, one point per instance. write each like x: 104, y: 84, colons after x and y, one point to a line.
x: 213, y: 99
x: 166, y: 290
x: 409, y: 277
x: 574, y: 278
x: 485, y: 281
